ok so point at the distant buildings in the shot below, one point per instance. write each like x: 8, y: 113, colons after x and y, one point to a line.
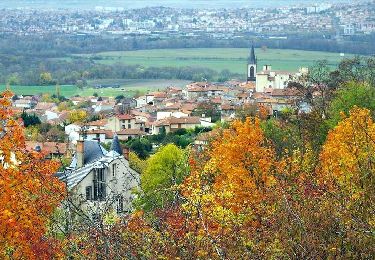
x: 352, y: 18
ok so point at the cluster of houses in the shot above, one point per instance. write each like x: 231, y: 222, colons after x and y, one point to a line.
x: 93, y: 168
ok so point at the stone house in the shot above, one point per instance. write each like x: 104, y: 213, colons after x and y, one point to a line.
x: 100, y: 181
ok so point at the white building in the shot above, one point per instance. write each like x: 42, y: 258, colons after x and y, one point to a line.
x: 274, y: 79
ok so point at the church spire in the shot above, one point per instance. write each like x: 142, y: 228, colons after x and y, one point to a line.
x: 252, y: 66
x: 116, y: 145
x: 252, y: 57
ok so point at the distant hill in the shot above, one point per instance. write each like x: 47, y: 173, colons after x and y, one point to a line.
x: 90, y: 4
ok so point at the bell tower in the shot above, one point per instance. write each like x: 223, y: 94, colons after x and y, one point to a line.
x: 252, y: 66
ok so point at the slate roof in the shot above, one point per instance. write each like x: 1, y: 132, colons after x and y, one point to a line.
x: 116, y: 145
x: 252, y: 58
x: 96, y: 157
x: 93, y: 151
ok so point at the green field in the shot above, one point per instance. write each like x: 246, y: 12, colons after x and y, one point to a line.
x: 128, y: 88
x: 233, y: 59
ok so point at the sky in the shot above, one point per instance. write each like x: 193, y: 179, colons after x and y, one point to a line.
x: 90, y: 4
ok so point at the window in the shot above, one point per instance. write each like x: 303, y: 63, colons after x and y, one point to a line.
x: 129, y: 126
x: 114, y: 166
x: 88, y: 193
x: 99, y: 185
x: 120, y: 204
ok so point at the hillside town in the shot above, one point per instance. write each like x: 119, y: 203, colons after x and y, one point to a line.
x: 337, y: 19
x: 197, y: 105
x: 94, y: 136
x: 175, y: 133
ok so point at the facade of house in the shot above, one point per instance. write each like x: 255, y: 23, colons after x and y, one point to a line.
x: 99, y: 180
x: 172, y: 124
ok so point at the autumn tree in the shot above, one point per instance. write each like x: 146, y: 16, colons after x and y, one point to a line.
x: 29, y: 193
x: 77, y: 116
x: 348, y: 174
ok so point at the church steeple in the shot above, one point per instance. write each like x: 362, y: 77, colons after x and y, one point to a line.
x: 252, y: 58
x: 252, y: 66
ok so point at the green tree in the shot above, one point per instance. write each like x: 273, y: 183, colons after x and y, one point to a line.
x: 350, y: 95
x: 46, y: 78
x: 14, y: 79
x: 141, y: 146
x: 29, y: 120
x: 164, y: 172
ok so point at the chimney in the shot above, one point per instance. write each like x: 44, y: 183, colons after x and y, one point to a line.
x: 267, y: 67
x: 80, y: 153
x: 126, y: 152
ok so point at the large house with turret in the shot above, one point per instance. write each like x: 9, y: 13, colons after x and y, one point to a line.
x: 99, y: 180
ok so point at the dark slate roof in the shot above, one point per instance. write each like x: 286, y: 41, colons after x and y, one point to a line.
x: 116, y: 145
x: 252, y: 58
x: 93, y: 152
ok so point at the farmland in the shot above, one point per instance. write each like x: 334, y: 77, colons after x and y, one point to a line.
x: 232, y: 59
x: 127, y: 88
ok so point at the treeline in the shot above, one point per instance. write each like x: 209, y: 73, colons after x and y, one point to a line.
x: 78, y: 71
x: 63, y: 45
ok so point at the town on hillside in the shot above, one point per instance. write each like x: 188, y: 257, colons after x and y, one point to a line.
x: 100, y: 132
x: 239, y: 132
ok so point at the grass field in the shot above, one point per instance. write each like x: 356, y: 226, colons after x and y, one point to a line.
x: 128, y: 88
x: 233, y: 59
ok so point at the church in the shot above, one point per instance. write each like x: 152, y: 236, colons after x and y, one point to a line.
x: 267, y: 78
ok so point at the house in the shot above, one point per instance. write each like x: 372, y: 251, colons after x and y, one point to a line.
x: 44, y: 106
x: 24, y: 103
x: 72, y: 131
x: 98, y: 124
x: 50, y: 149
x: 98, y: 180
x: 141, y: 101
x: 119, y: 122
x: 171, y: 124
x: 127, y: 134
x: 99, y: 135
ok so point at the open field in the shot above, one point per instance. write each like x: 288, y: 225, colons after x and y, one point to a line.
x: 233, y: 59
x: 128, y: 88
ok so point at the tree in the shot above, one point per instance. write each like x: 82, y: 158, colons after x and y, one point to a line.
x: 347, y: 174
x: 29, y: 194
x: 136, y: 163
x: 349, y: 95
x: 77, y: 116
x: 13, y: 79
x: 141, y: 146
x: 228, y: 193
x: 30, y: 120
x: 165, y: 170
x: 46, y: 78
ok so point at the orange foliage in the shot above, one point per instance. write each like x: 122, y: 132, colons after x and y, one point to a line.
x: 28, y: 193
x: 348, y: 157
